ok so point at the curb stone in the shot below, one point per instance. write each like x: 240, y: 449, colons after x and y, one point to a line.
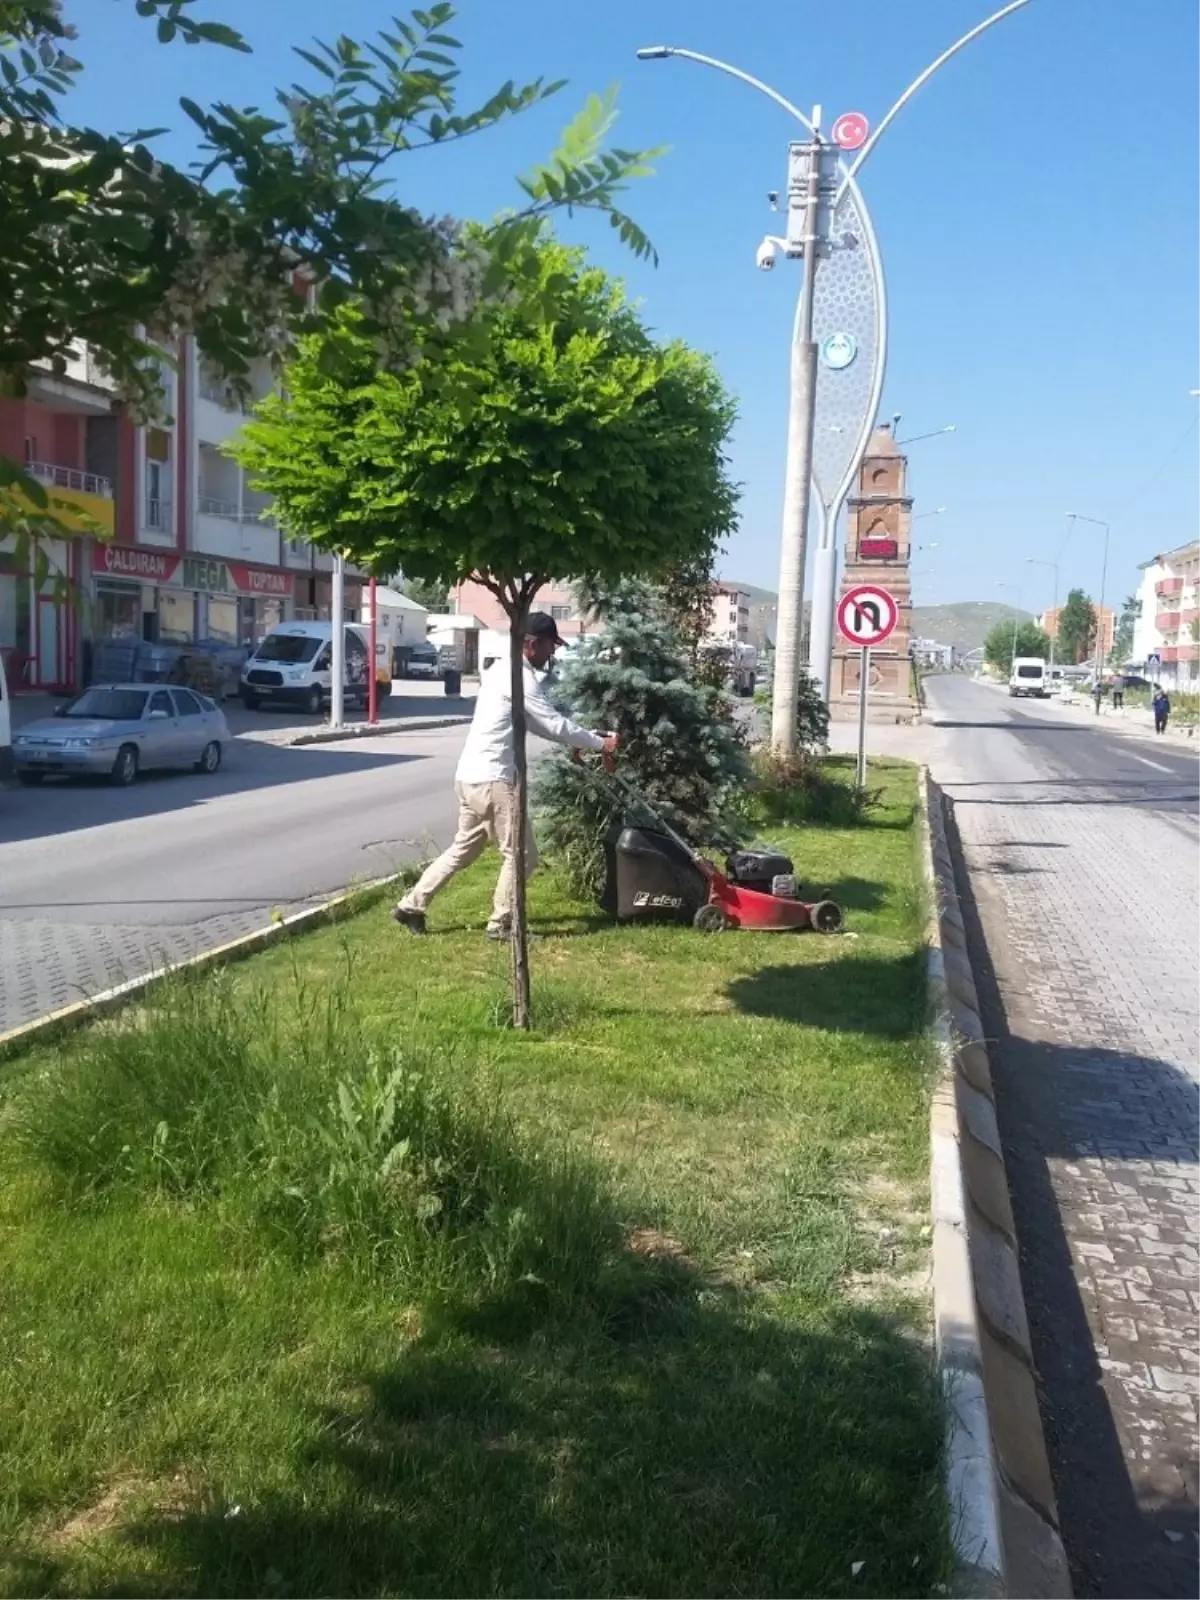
x: 287, y: 739
x: 80, y: 1012
x: 1004, y: 1519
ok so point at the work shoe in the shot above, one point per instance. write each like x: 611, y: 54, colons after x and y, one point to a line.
x: 414, y: 921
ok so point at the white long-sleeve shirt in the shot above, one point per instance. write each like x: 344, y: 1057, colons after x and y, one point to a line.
x: 488, y: 753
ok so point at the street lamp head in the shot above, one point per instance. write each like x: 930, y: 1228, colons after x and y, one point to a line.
x: 654, y: 52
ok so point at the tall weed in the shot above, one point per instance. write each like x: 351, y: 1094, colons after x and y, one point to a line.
x: 274, y: 1106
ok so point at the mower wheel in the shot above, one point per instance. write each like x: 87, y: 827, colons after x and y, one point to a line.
x: 710, y: 919
x: 826, y: 917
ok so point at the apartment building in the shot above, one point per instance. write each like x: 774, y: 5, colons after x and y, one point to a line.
x: 1106, y: 622
x: 173, y: 546
x: 1169, y: 624
x: 474, y: 600
x: 729, y: 616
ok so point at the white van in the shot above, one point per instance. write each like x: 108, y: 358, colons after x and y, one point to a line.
x: 1028, y: 676
x: 293, y: 666
x: 6, y: 755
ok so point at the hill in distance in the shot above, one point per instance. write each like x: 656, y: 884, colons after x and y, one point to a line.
x: 965, y: 624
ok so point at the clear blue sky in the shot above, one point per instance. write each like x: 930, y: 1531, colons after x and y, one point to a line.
x: 1035, y: 205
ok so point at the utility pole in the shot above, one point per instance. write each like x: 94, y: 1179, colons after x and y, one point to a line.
x: 804, y: 195
x: 337, y: 645
x: 1031, y: 561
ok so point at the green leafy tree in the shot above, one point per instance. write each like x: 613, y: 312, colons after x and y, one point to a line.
x: 434, y: 597
x: 998, y: 648
x: 1076, y: 637
x: 1131, y: 610
x: 104, y: 243
x: 812, y: 714
x: 568, y: 446
x: 680, y: 744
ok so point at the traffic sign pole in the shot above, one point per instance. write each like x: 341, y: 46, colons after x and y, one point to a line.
x: 866, y: 616
x: 864, y: 673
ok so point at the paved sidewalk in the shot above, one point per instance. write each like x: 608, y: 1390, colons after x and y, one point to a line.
x: 1081, y: 858
x: 1137, y: 720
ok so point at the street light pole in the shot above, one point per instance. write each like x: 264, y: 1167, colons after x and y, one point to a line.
x: 804, y: 372
x: 1031, y: 561
x: 1097, y: 522
x: 793, y: 545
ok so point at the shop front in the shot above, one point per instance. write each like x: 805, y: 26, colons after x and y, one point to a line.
x: 160, y: 597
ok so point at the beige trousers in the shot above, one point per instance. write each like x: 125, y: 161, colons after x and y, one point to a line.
x: 486, y: 814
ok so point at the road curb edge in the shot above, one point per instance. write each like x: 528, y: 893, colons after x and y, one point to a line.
x: 1004, y: 1518
x: 86, y: 1010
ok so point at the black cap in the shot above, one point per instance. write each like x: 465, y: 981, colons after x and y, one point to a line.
x: 541, y: 625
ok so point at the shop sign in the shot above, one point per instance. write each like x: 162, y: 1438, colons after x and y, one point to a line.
x: 258, y: 581
x: 123, y: 561
x: 211, y: 576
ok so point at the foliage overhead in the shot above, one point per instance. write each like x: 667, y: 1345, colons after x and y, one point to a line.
x: 1030, y: 641
x: 568, y: 445
x: 103, y: 243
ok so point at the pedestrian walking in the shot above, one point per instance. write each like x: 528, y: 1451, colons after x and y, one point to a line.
x: 485, y: 781
x: 1161, y: 706
x: 1097, y: 694
x: 1118, y: 694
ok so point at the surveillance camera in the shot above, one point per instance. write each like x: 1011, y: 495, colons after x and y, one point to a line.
x: 764, y: 258
x: 773, y: 199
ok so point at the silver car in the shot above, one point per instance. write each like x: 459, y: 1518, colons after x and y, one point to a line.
x: 118, y: 730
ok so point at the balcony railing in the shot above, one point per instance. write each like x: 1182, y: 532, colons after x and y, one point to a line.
x: 1168, y: 586
x: 70, y: 478
x: 1167, y: 621
x: 220, y: 394
x: 211, y: 507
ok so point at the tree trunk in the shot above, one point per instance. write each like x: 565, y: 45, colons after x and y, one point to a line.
x: 518, y: 612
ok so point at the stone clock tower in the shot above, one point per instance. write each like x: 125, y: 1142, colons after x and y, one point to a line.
x: 878, y: 550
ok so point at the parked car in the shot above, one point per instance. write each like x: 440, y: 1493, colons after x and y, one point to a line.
x: 118, y: 730
x: 423, y: 662
x: 294, y: 664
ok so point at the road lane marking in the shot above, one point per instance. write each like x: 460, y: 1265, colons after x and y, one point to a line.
x: 1146, y: 762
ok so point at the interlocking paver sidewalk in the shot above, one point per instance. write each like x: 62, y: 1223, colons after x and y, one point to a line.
x: 1087, y: 894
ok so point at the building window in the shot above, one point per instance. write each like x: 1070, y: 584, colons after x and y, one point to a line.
x: 176, y: 616
x: 118, y: 611
x: 31, y: 449
x: 561, y: 613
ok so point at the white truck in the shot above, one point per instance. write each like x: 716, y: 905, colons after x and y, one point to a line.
x: 1028, y: 677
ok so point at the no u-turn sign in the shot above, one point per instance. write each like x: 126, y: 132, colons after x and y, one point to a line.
x: 866, y: 615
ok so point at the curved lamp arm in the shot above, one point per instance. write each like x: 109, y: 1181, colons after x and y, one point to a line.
x: 917, y: 83
x: 659, y: 52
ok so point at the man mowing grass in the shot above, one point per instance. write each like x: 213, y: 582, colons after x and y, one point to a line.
x: 485, y: 781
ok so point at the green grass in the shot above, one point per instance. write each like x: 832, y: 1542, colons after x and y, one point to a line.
x: 315, y: 1278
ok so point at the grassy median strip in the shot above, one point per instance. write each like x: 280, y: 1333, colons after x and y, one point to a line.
x: 315, y: 1279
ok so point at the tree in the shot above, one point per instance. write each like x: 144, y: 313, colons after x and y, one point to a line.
x: 680, y: 745
x: 568, y: 446
x: 1131, y: 610
x: 434, y: 597
x: 104, y: 243
x: 998, y: 648
x: 1076, y: 637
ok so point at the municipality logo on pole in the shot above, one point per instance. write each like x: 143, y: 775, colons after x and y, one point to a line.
x: 838, y: 351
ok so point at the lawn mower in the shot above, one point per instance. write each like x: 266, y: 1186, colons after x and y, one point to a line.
x: 660, y: 878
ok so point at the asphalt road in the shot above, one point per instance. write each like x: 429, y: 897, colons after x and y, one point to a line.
x: 99, y: 884
x: 1077, y: 843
